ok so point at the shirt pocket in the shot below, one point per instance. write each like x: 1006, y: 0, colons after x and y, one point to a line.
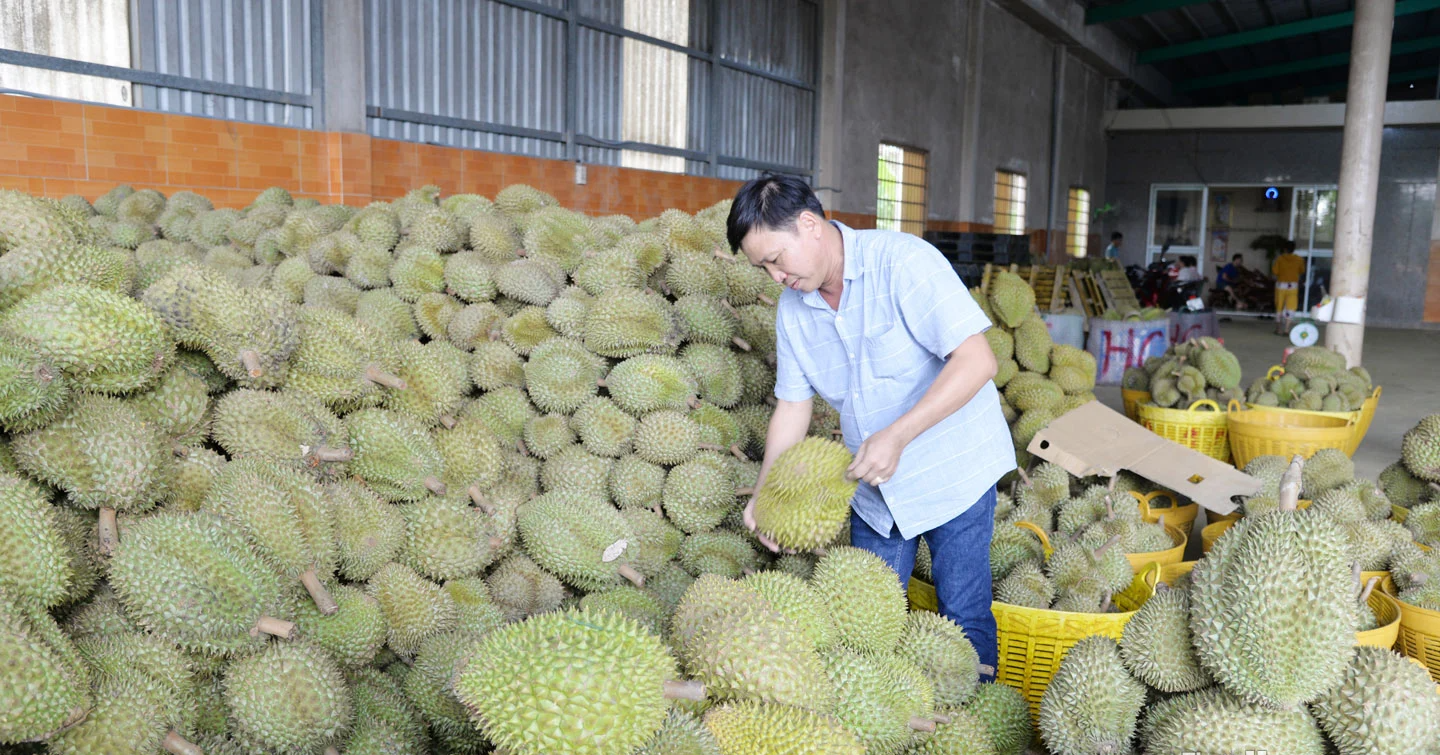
x: 892, y: 352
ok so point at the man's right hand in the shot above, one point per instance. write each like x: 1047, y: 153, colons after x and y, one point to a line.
x: 750, y: 523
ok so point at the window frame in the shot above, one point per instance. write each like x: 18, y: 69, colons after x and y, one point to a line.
x: 1077, y: 230
x: 913, y: 222
x: 1006, y: 203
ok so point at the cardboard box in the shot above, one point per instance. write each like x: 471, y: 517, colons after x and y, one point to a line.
x: 1097, y: 440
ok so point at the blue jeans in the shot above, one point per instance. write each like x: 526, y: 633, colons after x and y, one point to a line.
x: 959, y: 562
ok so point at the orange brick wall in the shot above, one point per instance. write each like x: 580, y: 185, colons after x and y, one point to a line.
x: 54, y: 148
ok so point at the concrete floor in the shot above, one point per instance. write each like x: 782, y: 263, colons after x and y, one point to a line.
x: 1404, y: 363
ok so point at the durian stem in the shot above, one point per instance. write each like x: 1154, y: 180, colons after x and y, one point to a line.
x: 1290, y: 485
x: 1109, y: 508
x: 744, y: 491
x: 479, y: 500
x: 448, y: 421
x: 985, y: 669
x: 1369, y: 587
x: 747, y: 572
x: 766, y: 300
x: 250, y: 358
x: 693, y: 402
x: 1355, y: 576
x: 743, y: 344
x: 329, y: 453
x: 521, y: 447
x: 1418, y: 578
x: 109, y: 531
x: 710, y: 447
x: 318, y: 593
x: 1435, y: 486
x: 601, y: 383
x: 739, y: 454
x: 495, y: 543
x: 1113, y: 479
x: 770, y: 400
x: 434, y: 485
x: 941, y: 718
x: 821, y: 551
x: 1105, y: 604
x: 374, y: 374
x: 331, y: 751
x: 921, y: 724
x: 1100, y: 552
x: 684, y: 690
x: 177, y: 745
x: 627, y: 571
x: 275, y: 627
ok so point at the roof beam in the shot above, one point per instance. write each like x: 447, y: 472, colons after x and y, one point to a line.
x: 1299, y: 66
x: 1400, y: 77
x: 1272, y: 33
x: 1133, y: 8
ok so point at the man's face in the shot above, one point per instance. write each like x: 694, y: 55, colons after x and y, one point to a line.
x: 1118, y: 242
x: 791, y: 256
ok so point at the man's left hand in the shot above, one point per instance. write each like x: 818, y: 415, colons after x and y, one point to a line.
x: 877, y: 458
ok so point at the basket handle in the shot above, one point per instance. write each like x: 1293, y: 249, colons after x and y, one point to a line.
x: 1233, y: 406
x: 1044, y: 539
x: 1147, y: 498
x: 1274, y: 372
x: 1206, y: 402
x: 1150, y: 575
x: 1376, y: 394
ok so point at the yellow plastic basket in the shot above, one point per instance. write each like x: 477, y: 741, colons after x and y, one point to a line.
x: 1171, y: 572
x: 1420, y: 636
x: 1138, y: 561
x: 1212, y: 532
x: 1361, y: 417
x: 1133, y: 400
x: 1386, y: 583
x: 1387, y: 611
x: 1367, y: 415
x: 1204, y: 431
x: 1033, y: 641
x: 1260, y: 433
x: 1234, y: 516
x: 1164, y: 503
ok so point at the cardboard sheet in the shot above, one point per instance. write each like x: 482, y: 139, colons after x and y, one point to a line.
x: 1097, y: 440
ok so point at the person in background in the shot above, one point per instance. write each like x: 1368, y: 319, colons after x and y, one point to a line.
x: 1230, y: 273
x: 1112, y: 252
x: 1188, y: 272
x: 1287, y: 269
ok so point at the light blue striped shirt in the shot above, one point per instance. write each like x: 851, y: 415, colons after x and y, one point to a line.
x: 902, y: 311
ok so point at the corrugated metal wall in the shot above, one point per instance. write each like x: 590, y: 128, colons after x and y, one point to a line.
x: 264, y: 44
x: 483, y: 60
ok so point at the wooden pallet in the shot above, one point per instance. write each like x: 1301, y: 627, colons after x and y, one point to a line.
x: 1115, y: 288
x: 1085, y: 291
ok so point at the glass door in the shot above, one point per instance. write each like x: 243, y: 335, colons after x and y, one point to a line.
x: 1177, y: 222
x: 1312, y: 227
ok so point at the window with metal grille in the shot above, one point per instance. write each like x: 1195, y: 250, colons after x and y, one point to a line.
x: 1009, y: 202
x: 900, y: 194
x: 1079, y: 238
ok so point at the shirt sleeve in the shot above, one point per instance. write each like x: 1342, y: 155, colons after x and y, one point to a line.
x: 937, y: 308
x: 790, y: 381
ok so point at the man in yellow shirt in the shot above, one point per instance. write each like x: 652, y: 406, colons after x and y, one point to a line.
x: 1287, y: 269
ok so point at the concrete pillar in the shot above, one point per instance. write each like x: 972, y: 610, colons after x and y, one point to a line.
x: 1360, y: 168
x: 1055, y: 221
x: 342, y: 79
x: 830, y: 158
x: 974, y: 189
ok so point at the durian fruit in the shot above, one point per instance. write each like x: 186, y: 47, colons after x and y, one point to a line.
x: 33, y: 391
x: 519, y: 685
x: 1027, y: 586
x: 101, y: 340
x: 352, y: 635
x: 720, y: 552
x: 636, y: 483
x: 103, y: 454
x: 195, y: 580
x: 581, y: 541
x: 1402, y: 488
x: 144, y: 690
x: 1270, y: 607
x: 446, y: 538
x: 1157, y: 644
x: 427, y: 686
x: 755, y: 728
x: 1328, y: 468
x: 437, y: 379
x: 1214, y: 720
x: 699, y: 493
x: 743, y: 649
x: 624, y: 323
x: 864, y: 598
x: 289, y: 697
x: 521, y: 588
x: 368, y: 531
x: 476, y: 612
x: 385, y: 720
x: 805, y: 498
x: 681, y: 734
x: 44, y: 684
x: 1033, y: 344
x: 282, y: 512
x: 1092, y: 704
x: 416, y: 271
x: 1385, y: 704
x: 415, y: 608
x: 1420, y: 449
x: 387, y: 315
x: 561, y: 375
x: 342, y: 361
x: 394, y: 455
x: 471, y: 457
x: 1003, y: 715
x: 667, y: 437
x: 960, y: 733
x: 939, y: 648
x: 871, y: 701
x: 604, y: 428
x: 634, y: 603
x: 35, y: 561
x: 792, y: 597
x: 651, y: 382
x: 1011, y: 299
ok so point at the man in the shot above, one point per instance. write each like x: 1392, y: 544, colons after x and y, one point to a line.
x: 1230, y: 273
x: 878, y: 324
x: 1112, y: 252
x: 1287, y: 269
x: 1189, y: 271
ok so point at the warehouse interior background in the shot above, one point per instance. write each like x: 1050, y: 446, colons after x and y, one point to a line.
x: 1065, y: 120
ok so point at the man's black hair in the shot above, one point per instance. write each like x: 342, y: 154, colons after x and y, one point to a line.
x: 1237, y: 257
x: 1116, y: 236
x: 1188, y: 260
x: 770, y: 202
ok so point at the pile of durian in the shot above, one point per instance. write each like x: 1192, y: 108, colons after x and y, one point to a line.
x: 1198, y: 369
x: 1144, y: 314
x: 452, y: 475
x: 1253, y: 651
x: 1038, y: 378
x: 1314, y: 379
